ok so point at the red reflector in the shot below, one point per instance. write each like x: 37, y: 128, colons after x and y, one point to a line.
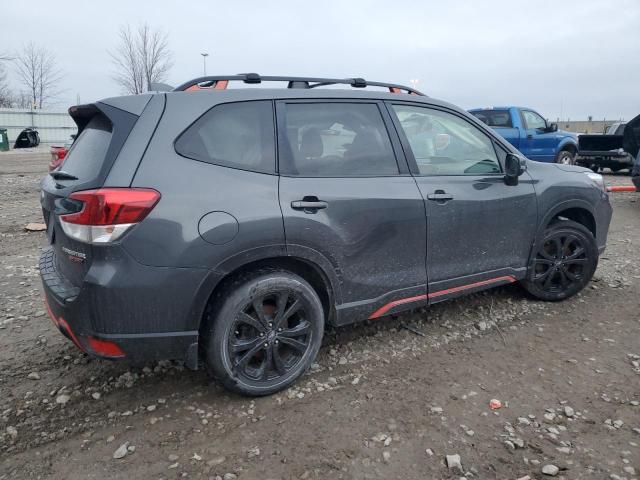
x: 105, y: 348
x: 113, y: 206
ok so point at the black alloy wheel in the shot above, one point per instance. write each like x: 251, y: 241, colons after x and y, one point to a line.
x: 564, y: 260
x: 264, y: 332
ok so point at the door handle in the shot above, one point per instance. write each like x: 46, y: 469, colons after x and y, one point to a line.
x: 440, y: 196
x: 310, y: 206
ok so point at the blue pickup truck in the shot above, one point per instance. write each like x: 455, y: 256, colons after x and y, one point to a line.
x: 530, y: 133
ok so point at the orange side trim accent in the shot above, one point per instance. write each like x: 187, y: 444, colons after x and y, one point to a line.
x: 622, y: 188
x: 221, y: 85
x: 385, y: 308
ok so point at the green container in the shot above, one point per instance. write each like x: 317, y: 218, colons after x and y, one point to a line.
x: 4, y: 140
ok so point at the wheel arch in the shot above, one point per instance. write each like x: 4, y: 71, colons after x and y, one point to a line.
x: 577, y: 210
x: 323, y: 281
x: 569, y: 145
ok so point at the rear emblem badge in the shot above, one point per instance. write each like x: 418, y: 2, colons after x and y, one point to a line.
x: 74, y: 256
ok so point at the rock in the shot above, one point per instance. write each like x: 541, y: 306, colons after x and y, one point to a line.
x: 618, y: 423
x: 386, y: 456
x: 173, y: 457
x: 229, y: 476
x: 196, y: 457
x: 518, y: 442
x: 630, y: 470
x: 174, y: 465
x: 151, y: 408
x: 12, y: 431
x: 110, y: 438
x: 33, y: 376
x: 35, y: 227
x: 122, y: 450
x: 482, y: 325
x: 216, y: 461
x: 524, y: 421
x: 550, y: 470
x: 429, y: 452
x: 568, y: 411
x: 62, y: 399
x: 454, y: 462
x: 436, y: 410
x: 96, y: 395
x: 253, y: 452
x: 550, y: 416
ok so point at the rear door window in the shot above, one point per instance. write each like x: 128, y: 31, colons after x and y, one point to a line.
x: 335, y: 140
x: 86, y: 156
x: 237, y: 135
x: 494, y: 118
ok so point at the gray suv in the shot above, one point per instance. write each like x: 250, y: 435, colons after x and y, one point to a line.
x: 230, y: 225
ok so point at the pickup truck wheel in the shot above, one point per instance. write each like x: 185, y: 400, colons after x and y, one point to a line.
x: 566, y: 157
x: 265, y: 333
x: 564, y: 261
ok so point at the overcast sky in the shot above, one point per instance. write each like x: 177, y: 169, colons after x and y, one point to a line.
x: 575, y: 58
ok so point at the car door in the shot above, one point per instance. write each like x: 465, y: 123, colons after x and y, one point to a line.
x: 537, y: 144
x: 347, y: 197
x: 479, y: 230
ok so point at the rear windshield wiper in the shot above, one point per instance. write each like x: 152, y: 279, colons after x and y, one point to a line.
x: 60, y: 175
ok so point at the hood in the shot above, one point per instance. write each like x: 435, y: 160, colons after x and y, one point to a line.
x: 570, y: 168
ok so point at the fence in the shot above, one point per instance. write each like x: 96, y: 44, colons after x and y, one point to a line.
x: 54, y: 127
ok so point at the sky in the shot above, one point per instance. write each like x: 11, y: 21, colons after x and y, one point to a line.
x: 565, y: 58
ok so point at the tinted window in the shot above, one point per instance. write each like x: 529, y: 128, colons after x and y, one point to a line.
x: 494, y: 118
x: 336, y: 139
x: 238, y: 135
x: 533, y: 120
x: 445, y: 144
x: 88, y: 152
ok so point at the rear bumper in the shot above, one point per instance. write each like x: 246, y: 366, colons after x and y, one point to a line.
x: 146, y: 320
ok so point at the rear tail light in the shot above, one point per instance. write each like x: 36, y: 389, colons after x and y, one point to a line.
x: 107, y: 213
x: 58, y: 155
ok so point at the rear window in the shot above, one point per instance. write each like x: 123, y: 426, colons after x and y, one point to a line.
x: 494, y: 118
x: 88, y: 152
x: 237, y: 135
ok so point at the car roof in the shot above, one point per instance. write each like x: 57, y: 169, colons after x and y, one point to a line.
x: 240, y: 94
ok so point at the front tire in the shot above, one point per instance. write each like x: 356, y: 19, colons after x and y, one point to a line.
x: 565, y: 157
x: 563, y: 263
x: 264, y: 334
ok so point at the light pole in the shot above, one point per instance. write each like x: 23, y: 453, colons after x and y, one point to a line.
x: 204, y: 62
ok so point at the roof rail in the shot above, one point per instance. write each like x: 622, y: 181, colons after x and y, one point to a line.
x: 220, y: 82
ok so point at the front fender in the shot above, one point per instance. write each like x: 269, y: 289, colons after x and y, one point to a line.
x: 567, y: 143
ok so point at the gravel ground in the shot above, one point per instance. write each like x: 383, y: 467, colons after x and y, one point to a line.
x: 382, y: 401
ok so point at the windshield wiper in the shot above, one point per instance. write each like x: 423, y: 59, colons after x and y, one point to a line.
x: 60, y: 175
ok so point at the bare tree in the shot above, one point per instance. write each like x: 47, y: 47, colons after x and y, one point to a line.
x: 142, y: 58
x: 38, y: 73
x: 5, y: 92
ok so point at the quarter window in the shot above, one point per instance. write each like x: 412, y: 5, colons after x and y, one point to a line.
x: 336, y: 140
x: 238, y: 135
x: 445, y: 144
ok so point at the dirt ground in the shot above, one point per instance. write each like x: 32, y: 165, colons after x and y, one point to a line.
x: 382, y: 401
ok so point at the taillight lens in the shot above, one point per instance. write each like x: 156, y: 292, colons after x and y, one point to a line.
x: 107, y: 213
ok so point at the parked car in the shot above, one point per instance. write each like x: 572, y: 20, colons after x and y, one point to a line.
x: 616, y: 128
x: 229, y: 226
x: 59, y: 152
x: 28, y: 138
x: 605, y: 151
x: 530, y: 133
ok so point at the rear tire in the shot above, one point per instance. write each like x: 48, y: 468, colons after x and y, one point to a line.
x: 566, y: 157
x: 264, y: 333
x: 563, y: 263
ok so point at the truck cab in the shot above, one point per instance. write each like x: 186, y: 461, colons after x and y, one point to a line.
x: 530, y: 133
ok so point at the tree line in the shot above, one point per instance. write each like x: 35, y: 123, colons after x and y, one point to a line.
x: 142, y: 57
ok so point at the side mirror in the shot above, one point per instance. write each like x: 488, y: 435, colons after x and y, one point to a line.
x: 514, y: 166
x: 552, y: 127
